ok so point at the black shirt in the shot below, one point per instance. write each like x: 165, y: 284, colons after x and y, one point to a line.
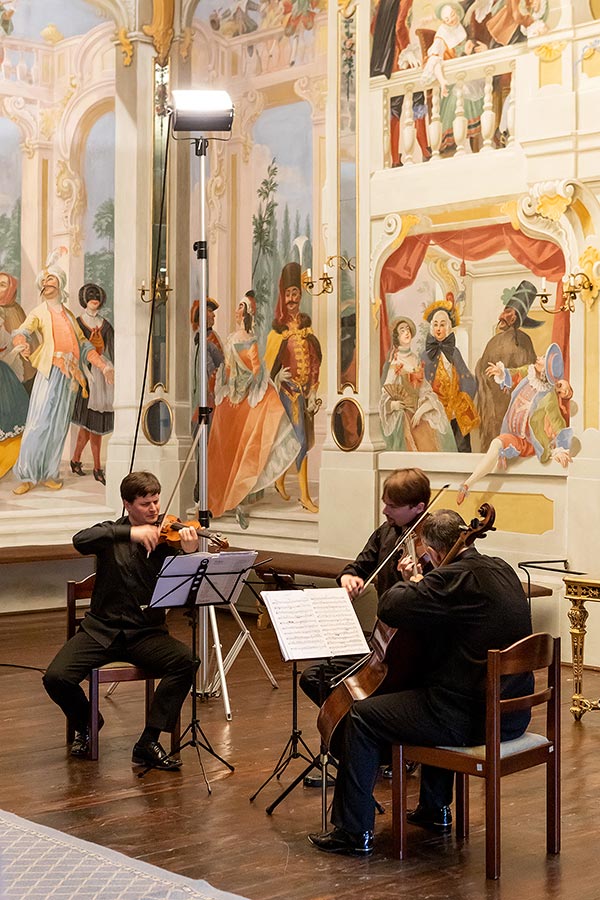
x: 125, y: 579
x: 380, y: 544
x: 460, y: 611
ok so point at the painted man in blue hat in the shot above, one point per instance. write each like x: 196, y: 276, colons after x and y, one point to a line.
x: 536, y: 421
x: 515, y: 348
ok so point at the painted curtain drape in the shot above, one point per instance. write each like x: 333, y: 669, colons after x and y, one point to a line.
x: 543, y: 258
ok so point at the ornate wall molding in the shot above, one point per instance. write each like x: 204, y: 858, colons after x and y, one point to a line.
x: 250, y: 107
x: 314, y: 91
x: 161, y: 28
x: 70, y: 188
x: 24, y: 115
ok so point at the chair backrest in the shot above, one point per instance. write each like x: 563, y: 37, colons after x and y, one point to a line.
x: 531, y: 654
x: 77, y: 590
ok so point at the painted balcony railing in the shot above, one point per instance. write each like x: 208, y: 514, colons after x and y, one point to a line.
x: 24, y: 65
x: 272, y: 51
x: 474, y: 112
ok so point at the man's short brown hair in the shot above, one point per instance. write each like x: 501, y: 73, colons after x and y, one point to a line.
x: 139, y: 484
x: 407, y: 487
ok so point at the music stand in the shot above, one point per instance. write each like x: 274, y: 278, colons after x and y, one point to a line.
x: 196, y: 580
x: 319, y: 623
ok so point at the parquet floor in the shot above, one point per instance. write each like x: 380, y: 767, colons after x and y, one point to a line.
x: 170, y: 820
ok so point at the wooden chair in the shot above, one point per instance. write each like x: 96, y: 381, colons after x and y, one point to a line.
x: 109, y: 674
x: 496, y: 758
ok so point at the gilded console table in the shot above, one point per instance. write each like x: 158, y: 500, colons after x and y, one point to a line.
x: 579, y: 589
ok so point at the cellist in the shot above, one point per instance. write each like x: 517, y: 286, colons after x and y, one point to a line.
x: 461, y: 609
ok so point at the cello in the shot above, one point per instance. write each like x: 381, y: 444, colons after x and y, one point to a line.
x: 393, y: 663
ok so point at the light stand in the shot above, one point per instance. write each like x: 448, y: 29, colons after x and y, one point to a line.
x: 202, y: 111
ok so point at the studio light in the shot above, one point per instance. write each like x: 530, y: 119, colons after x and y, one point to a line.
x: 202, y: 111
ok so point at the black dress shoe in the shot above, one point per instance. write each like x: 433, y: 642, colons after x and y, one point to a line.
x: 99, y: 475
x: 438, y: 818
x: 153, y: 756
x: 81, y: 742
x: 77, y: 467
x: 341, y: 841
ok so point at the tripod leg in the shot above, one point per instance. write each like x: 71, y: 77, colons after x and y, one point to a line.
x: 219, y: 658
x: 300, y: 778
x: 248, y: 637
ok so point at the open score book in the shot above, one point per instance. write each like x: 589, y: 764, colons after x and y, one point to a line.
x: 314, y: 623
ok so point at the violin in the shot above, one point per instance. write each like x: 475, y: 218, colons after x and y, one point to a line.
x: 394, y: 663
x: 170, y: 526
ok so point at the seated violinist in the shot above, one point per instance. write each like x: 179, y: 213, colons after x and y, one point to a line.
x: 460, y: 609
x: 406, y: 494
x: 129, y: 556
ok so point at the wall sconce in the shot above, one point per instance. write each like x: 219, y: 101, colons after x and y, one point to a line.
x: 309, y: 284
x: 326, y: 280
x: 162, y: 289
x: 573, y: 285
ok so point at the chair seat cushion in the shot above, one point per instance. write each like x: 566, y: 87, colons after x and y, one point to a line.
x: 527, y: 741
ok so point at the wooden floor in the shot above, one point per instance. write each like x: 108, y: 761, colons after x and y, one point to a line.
x: 170, y: 820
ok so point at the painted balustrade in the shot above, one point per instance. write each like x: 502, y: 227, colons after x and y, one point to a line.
x: 473, y: 113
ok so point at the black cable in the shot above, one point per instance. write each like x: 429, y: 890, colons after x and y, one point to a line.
x: 161, y: 229
x: 17, y: 666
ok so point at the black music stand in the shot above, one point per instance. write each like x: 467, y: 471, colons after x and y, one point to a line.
x: 328, y: 615
x: 192, y: 580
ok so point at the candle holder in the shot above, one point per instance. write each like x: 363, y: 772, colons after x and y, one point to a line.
x: 573, y: 285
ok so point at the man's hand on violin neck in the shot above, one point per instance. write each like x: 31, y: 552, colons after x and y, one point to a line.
x: 146, y: 535
x: 410, y: 570
x: 189, y: 540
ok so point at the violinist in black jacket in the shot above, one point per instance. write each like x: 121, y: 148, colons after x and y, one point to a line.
x: 460, y: 610
x: 406, y: 494
x: 119, y: 625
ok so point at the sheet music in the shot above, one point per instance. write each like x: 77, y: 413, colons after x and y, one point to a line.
x: 222, y: 582
x: 314, y: 623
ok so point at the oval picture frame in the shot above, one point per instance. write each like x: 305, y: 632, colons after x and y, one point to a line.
x: 157, y: 421
x: 348, y: 424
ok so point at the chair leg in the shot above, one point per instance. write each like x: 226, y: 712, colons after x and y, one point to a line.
x: 149, y: 698
x: 94, y: 712
x: 553, y: 803
x: 462, y: 805
x: 492, y: 827
x: 176, y: 737
x: 398, y: 802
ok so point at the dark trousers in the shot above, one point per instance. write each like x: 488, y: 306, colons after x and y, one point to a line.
x: 315, y: 680
x: 158, y: 653
x: 369, y: 728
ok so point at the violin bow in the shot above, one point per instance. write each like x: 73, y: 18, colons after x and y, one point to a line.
x: 404, y: 537
x: 186, y: 463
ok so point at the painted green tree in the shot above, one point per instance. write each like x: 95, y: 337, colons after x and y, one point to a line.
x: 10, y: 241
x: 99, y: 266
x: 264, y: 250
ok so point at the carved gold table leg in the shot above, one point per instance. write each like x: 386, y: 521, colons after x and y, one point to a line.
x: 578, y: 590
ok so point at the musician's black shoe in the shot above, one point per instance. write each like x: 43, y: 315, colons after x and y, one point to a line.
x: 314, y: 781
x: 438, y: 818
x: 81, y: 742
x: 153, y: 756
x: 341, y: 841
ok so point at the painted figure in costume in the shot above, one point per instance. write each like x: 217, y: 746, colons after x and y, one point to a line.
x: 62, y: 352
x: 412, y: 417
x: 536, y: 422
x: 14, y: 401
x: 451, y: 41
x: 13, y: 315
x: 391, y: 52
x: 94, y: 414
x: 293, y: 356
x: 447, y: 372
x: 514, y: 347
x: 215, y: 355
x: 251, y: 439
